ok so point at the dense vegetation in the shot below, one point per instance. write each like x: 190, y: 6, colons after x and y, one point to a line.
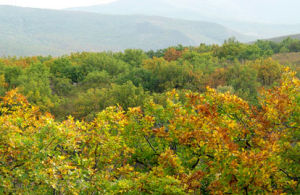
x: 200, y: 120
x: 82, y: 84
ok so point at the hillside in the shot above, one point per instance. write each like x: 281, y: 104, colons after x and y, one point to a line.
x: 28, y: 31
x: 286, y: 58
x: 203, y: 9
x: 235, y: 14
x: 279, y: 39
x: 290, y: 59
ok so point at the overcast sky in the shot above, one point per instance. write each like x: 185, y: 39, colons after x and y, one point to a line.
x: 283, y: 5
x: 53, y: 4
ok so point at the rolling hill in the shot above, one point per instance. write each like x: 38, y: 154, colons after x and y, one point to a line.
x: 263, y: 19
x: 279, y: 39
x: 266, y: 11
x: 29, y: 31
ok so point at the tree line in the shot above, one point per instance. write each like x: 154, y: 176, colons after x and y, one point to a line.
x: 82, y: 84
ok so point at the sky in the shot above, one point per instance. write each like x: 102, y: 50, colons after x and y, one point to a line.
x: 53, y: 4
x: 269, y: 11
x: 59, y: 4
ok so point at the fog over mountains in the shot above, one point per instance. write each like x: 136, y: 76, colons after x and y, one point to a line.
x: 261, y: 18
x: 144, y: 24
x: 28, y: 31
x: 264, y: 11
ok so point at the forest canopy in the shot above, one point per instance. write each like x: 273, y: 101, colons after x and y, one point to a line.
x: 82, y: 84
x: 183, y: 120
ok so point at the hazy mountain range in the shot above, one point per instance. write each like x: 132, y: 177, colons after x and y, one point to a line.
x: 28, y: 31
x: 278, y: 39
x: 260, y: 18
x: 144, y: 24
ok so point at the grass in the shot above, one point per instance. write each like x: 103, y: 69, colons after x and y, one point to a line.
x: 289, y: 59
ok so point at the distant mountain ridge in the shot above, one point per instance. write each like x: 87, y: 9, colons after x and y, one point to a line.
x: 265, y: 11
x: 245, y: 17
x: 281, y: 38
x: 28, y: 31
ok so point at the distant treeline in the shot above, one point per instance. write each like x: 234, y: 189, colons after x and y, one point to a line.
x: 82, y: 84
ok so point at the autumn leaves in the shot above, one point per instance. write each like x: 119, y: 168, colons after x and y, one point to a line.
x: 203, y: 143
